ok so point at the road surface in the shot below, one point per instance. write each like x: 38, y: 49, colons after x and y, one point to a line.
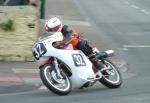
x: 122, y: 25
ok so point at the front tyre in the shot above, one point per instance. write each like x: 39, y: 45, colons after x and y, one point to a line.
x: 60, y: 86
x: 111, y: 77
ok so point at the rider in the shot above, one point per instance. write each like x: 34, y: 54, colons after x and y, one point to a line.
x: 70, y: 36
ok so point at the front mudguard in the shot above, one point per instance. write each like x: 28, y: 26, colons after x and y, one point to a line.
x: 64, y: 66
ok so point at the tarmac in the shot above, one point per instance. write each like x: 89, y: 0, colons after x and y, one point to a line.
x: 16, y: 77
x: 24, y: 76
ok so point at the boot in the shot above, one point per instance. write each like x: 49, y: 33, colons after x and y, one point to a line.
x: 99, y: 65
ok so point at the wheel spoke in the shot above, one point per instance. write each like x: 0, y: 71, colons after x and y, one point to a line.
x: 110, y: 74
x: 60, y: 83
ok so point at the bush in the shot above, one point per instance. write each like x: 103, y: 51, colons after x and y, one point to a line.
x: 8, y: 25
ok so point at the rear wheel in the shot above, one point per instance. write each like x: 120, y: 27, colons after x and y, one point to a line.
x: 111, y: 77
x: 59, y: 85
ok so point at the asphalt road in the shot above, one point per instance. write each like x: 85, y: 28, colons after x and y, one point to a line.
x: 124, y: 26
x: 125, y: 23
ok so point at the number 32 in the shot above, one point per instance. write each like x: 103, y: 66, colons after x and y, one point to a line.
x: 39, y: 50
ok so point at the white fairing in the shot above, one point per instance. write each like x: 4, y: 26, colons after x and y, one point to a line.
x: 80, y: 74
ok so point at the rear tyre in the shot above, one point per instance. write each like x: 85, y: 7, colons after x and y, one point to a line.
x: 60, y: 86
x: 108, y: 75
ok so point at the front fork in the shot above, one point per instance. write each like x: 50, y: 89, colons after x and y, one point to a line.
x: 56, y: 66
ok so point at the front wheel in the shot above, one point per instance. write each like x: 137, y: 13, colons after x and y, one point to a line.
x: 111, y: 76
x: 60, y: 86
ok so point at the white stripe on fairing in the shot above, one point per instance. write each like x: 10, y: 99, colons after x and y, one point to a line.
x: 136, y: 46
x: 21, y: 70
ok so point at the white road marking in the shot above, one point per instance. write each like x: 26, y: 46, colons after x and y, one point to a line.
x: 11, y: 79
x: 122, y: 49
x: 126, y: 2
x: 134, y: 6
x: 21, y: 70
x: 42, y: 88
x: 137, y: 33
x: 72, y: 22
x: 145, y: 12
x: 136, y: 46
x: 32, y: 80
x: 19, y: 93
x: 77, y: 23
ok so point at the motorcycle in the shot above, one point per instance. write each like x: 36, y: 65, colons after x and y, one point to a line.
x: 61, y: 70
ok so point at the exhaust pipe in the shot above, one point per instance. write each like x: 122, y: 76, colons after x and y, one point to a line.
x: 109, y: 53
x: 106, y: 54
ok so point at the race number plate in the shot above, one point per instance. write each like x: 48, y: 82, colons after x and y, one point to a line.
x: 78, y: 60
x: 39, y: 50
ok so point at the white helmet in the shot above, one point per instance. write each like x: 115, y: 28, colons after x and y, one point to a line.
x: 53, y: 25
